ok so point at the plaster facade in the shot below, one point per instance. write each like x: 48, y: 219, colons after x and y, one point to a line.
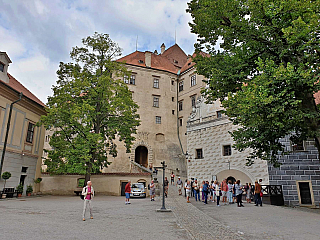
x: 23, y: 152
x: 209, y: 131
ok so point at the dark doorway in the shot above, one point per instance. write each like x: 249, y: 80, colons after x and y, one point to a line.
x: 305, y: 194
x: 123, y: 185
x: 22, y: 178
x: 232, y: 179
x: 141, y: 156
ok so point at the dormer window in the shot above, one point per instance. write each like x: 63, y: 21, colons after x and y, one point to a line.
x: 140, y: 61
x: 1, y: 67
x: 175, y: 61
x: 189, y: 63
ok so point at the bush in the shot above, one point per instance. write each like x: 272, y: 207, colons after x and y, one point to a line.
x: 6, y: 175
x: 29, y: 189
x: 38, y: 180
x: 19, y: 188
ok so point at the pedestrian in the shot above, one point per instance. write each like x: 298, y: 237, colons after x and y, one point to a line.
x: 188, y: 191
x: 88, y: 193
x: 249, y: 193
x: 196, y: 190
x: 239, y: 188
x: 150, y: 167
x: 192, y: 192
x: 257, y: 192
x: 152, y: 190
x: 224, y: 190
x: 218, y: 192
x: 166, y: 186
x: 179, y: 184
x: 185, y: 191
x: 201, y: 190
x: 127, y: 190
x: 205, y: 189
x: 230, y: 192
x: 213, y: 187
x: 172, y: 178
x: 234, y: 193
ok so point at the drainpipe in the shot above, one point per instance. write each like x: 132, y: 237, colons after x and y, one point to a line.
x: 7, y: 133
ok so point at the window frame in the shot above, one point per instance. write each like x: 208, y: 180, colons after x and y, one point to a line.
x: 27, y: 139
x: 201, y: 153
x: 158, y: 119
x: 193, y: 80
x: 2, y: 65
x: 156, y: 83
x: 181, y: 86
x: 180, y: 106
x: 156, y: 103
x: 229, y: 153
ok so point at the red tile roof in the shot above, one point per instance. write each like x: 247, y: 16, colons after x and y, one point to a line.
x: 189, y: 64
x: 171, y: 60
x: 16, y: 85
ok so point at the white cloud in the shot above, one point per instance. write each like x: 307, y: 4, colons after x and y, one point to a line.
x: 40, y: 34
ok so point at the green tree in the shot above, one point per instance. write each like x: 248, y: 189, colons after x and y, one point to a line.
x: 266, y: 70
x: 90, y: 110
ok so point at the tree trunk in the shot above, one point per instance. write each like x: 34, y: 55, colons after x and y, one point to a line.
x: 88, y: 172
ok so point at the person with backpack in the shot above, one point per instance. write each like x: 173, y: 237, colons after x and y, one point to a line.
x: 88, y: 194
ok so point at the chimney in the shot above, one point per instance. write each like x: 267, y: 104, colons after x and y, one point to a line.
x: 147, y: 60
x: 163, y: 48
x: 4, y: 63
x: 189, y: 56
x: 155, y: 52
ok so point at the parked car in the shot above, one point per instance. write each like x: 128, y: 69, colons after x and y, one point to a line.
x: 138, y: 190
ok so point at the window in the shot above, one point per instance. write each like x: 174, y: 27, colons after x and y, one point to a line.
x: 158, y: 120
x: 172, y: 112
x: 172, y: 99
x: 227, y: 150
x: 126, y: 79
x: 193, y: 101
x: 172, y: 82
x: 156, y: 83
x: 132, y: 79
x: 140, y: 61
x: 180, y: 106
x: 180, y: 86
x: 193, y: 80
x: 156, y: 101
x: 219, y: 114
x: 1, y: 67
x: 30, y: 133
x: 199, y: 154
x: 180, y: 122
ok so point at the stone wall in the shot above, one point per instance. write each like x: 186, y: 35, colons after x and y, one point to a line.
x: 297, y: 166
x: 107, y: 184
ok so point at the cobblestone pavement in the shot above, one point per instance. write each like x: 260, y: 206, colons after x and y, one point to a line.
x: 249, y: 222
x: 57, y: 217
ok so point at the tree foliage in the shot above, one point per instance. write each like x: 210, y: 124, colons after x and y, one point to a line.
x: 91, y: 108
x: 266, y: 71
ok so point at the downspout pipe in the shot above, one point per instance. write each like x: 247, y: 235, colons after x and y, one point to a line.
x: 7, y: 133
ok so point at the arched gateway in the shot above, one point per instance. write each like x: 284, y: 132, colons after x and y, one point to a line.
x: 141, y: 156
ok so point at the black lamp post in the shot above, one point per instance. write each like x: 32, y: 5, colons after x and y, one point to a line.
x: 7, y: 132
x: 163, y: 208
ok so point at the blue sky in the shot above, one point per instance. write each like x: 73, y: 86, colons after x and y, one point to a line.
x: 37, y: 35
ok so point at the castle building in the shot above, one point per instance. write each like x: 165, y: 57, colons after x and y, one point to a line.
x: 25, y: 140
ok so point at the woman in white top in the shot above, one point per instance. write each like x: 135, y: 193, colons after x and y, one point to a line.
x: 218, y: 189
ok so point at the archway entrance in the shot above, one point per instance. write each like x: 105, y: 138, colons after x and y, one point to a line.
x: 141, y: 156
x: 232, y: 179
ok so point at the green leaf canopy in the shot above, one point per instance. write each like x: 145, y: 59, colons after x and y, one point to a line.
x: 266, y: 70
x: 91, y: 109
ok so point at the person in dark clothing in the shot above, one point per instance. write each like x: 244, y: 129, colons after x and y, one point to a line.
x: 205, y: 190
x: 166, y: 186
x: 192, y: 190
